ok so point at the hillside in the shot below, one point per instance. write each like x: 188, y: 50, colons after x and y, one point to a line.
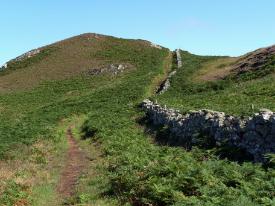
x: 85, y: 92
x: 236, y: 86
x: 63, y: 60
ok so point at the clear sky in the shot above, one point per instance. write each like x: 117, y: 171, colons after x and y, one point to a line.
x: 214, y: 27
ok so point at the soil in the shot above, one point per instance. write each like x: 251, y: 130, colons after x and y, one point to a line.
x: 74, y: 166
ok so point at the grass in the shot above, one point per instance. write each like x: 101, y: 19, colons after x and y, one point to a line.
x: 160, y: 78
x: 32, y: 114
x: 133, y: 170
x: 244, y: 95
x: 32, y: 173
x: 67, y: 59
x: 215, y: 69
x: 94, y: 182
x: 27, y: 62
x: 142, y: 173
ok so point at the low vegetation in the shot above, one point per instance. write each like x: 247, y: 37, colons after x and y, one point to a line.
x: 133, y: 170
x: 238, y: 95
x: 31, y: 115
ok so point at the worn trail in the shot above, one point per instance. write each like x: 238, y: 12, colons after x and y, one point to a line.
x: 74, y: 166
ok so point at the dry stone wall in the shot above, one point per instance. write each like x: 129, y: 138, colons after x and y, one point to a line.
x: 256, y: 134
x: 179, y: 58
x: 166, y: 84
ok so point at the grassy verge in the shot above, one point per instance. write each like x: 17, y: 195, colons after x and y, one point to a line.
x: 30, y: 173
x: 93, y: 185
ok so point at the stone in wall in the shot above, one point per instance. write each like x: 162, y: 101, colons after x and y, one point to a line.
x: 256, y: 135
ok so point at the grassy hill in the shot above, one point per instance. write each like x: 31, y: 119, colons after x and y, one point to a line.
x: 212, y: 83
x: 127, y: 167
x: 66, y: 59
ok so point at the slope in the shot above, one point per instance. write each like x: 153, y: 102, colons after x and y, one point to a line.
x: 64, y: 59
x: 135, y: 171
x: 142, y: 173
x: 231, y: 85
x: 30, y: 113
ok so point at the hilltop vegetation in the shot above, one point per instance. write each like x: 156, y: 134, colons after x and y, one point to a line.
x: 135, y: 170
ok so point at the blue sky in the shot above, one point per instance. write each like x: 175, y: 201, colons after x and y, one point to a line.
x: 214, y: 27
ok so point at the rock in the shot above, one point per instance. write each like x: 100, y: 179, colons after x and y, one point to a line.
x: 266, y: 114
x: 155, y: 46
x: 112, y: 68
x: 4, y: 66
x: 27, y: 55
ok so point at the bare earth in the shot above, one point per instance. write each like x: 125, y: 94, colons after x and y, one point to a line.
x: 75, y: 164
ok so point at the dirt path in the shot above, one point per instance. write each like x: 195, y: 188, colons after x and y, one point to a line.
x: 74, y: 166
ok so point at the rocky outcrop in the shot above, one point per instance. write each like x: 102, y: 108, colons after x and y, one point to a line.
x: 112, y: 69
x: 27, y: 55
x: 254, y: 61
x: 155, y: 46
x: 256, y: 135
x: 4, y: 66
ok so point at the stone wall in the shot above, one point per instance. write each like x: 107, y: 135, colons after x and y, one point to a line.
x: 179, y: 58
x: 166, y: 84
x: 256, y: 134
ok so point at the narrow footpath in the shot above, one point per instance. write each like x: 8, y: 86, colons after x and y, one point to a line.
x: 74, y: 166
